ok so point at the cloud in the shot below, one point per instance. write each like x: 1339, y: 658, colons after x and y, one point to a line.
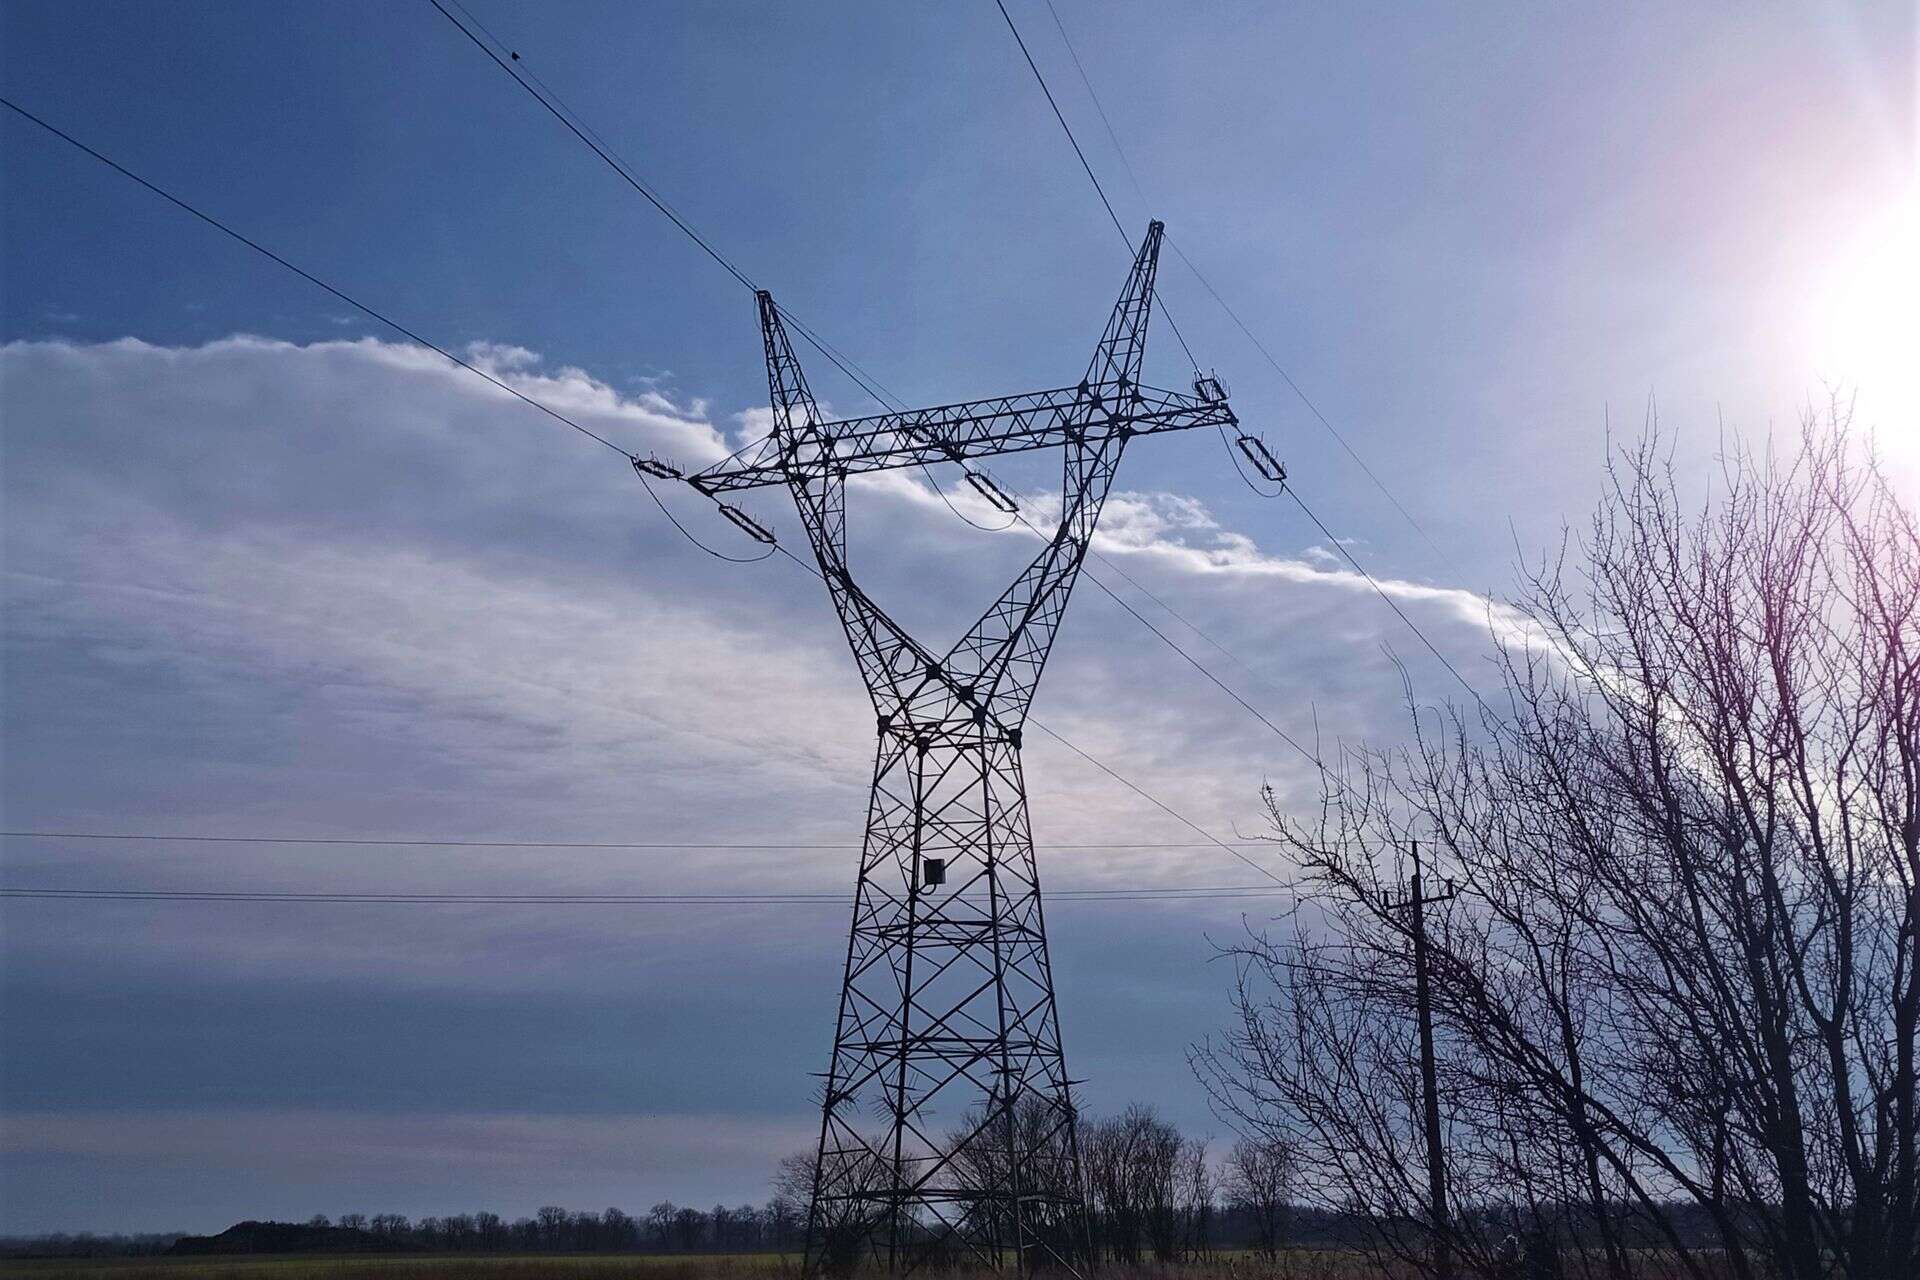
x: 351, y: 552
x: 345, y: 588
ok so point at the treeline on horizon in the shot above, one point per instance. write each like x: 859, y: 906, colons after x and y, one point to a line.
x: 1155, y: 1195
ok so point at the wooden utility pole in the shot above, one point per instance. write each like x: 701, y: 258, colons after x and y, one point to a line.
x: 1417, y: 902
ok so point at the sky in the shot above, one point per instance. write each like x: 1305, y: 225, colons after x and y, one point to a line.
x: 269, y: 570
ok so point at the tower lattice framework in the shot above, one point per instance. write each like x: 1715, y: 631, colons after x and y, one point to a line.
x: 948, y: 1129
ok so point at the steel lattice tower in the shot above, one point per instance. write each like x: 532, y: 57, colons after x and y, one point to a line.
x: 947, y: 1008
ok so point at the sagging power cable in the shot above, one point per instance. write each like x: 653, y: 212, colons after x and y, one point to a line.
x: 412, y: 335
x: 634, y: 459
x: 1266, y: 354
x: 549, y: 98
x: 1342, y: 547
x: 515, y: 66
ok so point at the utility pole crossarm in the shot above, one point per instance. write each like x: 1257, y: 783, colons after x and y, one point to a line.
x: 976, y: 429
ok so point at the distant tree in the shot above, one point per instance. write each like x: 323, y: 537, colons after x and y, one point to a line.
x: 1133, y: 1165
x: 689, y: 1229
x: 320, y: 1220
x: 389, y: 1225
x: 660, y: 1223
x: 490, y: 1230
x: 618, y: 1230
x: 1197, y: 1184
x: 785, y: 1218
x: 748, y: 1227
x: 1258, y: 1179
x: 845, y: 1222
x: 553, y: 1222
x: 354, y: 1221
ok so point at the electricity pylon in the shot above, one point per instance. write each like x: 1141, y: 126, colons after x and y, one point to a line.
x: 948, y: 1131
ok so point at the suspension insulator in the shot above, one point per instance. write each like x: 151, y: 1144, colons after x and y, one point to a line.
x: 748, y: 525
x: 1263, y: 461
x: 657, y: 469
x: 987, y: 489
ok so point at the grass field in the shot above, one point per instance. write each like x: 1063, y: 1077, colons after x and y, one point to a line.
x: 412, y: 1266
x: 1306, y: 1264
x: 1303, y: 1265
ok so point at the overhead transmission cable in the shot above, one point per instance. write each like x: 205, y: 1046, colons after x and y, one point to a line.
x: 414, y: 336
x: 1091, y: 177
x: 405, y: 331
x: 824, y: 348
x: 581, y: 128
x: 408, y: 843
x: 1344, y: 550
x: 306, y: 275
x: 512, y: 64
x: 1119, y: 150
x: 517, y: 394
x: 1208, y: 893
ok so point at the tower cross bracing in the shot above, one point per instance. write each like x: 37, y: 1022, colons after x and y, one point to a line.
x: 948, y: 1129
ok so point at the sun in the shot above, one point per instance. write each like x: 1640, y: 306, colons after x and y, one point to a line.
x: 1868, y: 340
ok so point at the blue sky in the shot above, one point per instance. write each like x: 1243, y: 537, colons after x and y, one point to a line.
x: 268, y: 572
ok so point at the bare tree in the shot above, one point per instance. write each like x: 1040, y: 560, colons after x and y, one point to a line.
x: 660, y: 1223
x: 1149, y: 1187
x: 1680, y: 991
x: 843, y: 1203
x: 1257, y: 1180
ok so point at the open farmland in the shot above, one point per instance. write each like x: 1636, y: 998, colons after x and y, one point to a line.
x: 410, y: 1266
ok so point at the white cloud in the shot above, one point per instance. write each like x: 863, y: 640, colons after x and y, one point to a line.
x: 347, y: 589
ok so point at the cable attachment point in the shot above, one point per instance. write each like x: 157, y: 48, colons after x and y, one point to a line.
x: 1263, y: 461
x: 652, y: 466
x: 1209, y: 388
x: 747, y: 524
x: 992, y: 492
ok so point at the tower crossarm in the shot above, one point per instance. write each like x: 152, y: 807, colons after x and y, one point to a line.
x: 975, y: 429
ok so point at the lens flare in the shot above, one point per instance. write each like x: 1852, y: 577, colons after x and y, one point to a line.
x: 1869, y: 336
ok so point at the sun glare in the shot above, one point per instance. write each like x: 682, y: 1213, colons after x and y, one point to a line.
x: 1869, y: 327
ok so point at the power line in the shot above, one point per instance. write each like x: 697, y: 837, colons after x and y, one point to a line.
x: 1141, y: 894
x: 1155, y: 801
x: 1112, y: 136
x: 581, y: 129
x: 1100, y: 190
x: 1057, y: 115
x: 1391, y: 602
x: 1260, y: 346
x: 304, y: 274
x: 387, y: 320
x: 1312, y: 408
x: 403, y: 843
x: 1192, y: 661
x: 578, y: 126
x: 616, y: 165
x: 553, y: 413
x: 1344, y: 551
